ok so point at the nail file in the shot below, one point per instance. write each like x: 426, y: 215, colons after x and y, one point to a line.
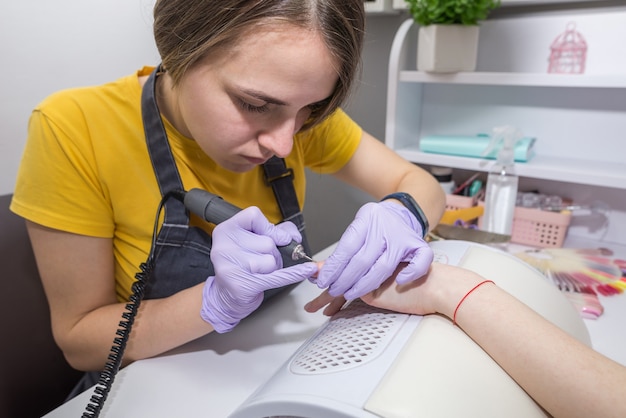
x: 443, y: 231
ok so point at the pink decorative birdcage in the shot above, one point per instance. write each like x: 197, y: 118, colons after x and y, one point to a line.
x: 568, y: 52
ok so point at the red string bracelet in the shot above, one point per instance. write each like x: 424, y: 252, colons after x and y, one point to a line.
x: 466, y: 295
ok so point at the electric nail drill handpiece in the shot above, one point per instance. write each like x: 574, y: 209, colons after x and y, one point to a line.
x: 214, y: 209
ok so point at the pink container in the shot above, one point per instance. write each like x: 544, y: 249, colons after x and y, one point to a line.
x: 454, y: 202
x: 540, y: 228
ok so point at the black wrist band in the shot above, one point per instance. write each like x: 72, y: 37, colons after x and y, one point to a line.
x: 410, y: 203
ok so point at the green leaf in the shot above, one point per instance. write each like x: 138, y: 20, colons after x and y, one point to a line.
x: 466, y: 12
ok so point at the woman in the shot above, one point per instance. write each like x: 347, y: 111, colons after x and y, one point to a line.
x: 247, y: 96
x: 564, y: 376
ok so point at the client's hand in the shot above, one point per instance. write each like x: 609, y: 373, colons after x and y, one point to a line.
x: 333, y: 303
x: 439, y: 291
x: 381, y: 236
x: 386, y: 294
x: 246, y: 263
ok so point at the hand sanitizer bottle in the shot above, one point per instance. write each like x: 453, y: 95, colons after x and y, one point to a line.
x: 502, y: 183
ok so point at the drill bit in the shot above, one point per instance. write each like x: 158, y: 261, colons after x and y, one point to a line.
x: 299, y: 254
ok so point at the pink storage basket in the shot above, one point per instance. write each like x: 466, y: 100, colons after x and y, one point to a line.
x: 454, y: 202
x: 540, y: 228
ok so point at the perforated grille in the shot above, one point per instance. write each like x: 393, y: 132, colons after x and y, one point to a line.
x: 353, y: 336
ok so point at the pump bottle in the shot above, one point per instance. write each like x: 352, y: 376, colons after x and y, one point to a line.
x: 502, y: 184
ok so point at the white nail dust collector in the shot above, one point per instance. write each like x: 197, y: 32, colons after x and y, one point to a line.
x: 366, y: 362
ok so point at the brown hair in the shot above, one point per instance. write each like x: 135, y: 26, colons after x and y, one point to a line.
x: 186, y: 31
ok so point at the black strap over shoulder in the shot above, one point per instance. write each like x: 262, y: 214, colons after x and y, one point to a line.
x: 160, y: 153
x: 280, y: 178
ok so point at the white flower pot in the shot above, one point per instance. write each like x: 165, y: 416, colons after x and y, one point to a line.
x: 447, y: 48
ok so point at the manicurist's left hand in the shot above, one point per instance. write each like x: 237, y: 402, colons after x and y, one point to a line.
x: 381, y: 236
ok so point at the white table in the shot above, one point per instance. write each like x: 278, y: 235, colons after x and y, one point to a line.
x: 213, y: 375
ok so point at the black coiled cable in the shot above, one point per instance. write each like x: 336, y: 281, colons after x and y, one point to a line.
x: 114, y: 360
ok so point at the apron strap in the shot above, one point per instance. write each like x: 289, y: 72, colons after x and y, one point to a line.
x: 280, y: 178
x: 160, y: 153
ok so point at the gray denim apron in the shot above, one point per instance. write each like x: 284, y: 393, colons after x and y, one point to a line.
x: 181, y: 254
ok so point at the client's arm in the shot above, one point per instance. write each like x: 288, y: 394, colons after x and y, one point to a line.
x: 564, y: 376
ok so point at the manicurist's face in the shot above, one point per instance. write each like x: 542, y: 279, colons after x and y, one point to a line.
x: 245, y: 106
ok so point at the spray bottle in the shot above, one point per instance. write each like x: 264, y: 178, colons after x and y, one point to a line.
x: 502, y: 182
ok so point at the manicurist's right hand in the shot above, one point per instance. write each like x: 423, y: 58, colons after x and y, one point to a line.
x: 247, y: 263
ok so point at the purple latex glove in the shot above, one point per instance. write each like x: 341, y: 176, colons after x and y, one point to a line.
x: 381, y: 236
x: 246, y: 263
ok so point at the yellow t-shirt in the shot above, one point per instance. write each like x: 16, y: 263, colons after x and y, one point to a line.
x: 86, y: 169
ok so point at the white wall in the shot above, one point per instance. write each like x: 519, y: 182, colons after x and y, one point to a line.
x: 48, y: 45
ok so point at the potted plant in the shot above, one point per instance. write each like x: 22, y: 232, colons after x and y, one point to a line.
x: 448, y: 33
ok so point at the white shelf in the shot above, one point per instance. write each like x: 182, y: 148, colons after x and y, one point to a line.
x: 402, y: 5
x: 547, y: 168
x: 586, y: 106
x: 377, y: 7
x: 517, y: 79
